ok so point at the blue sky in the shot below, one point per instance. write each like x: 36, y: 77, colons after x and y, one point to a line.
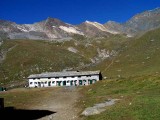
x: 73, y: 11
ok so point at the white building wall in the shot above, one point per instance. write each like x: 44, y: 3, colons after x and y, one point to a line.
x: 31, y: 83
x: 60, y: 81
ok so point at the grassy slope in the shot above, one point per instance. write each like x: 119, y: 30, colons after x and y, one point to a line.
x: 139, y: 94
x: 35, y: 57
x: 138, y: 86
x: 139, y: 98
x: 137, y: 57
x: 30, y: 57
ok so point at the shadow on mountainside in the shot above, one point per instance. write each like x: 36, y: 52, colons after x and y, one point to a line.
x: 22, y: 114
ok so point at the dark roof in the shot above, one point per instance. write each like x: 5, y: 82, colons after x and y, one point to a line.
x: 64, y: 74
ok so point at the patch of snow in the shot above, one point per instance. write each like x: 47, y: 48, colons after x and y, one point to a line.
x: 128, y: 35
x: 22, y: 28
x: 71, y: 49
x: 101, y: 27
x: 113, y: 32
x: 71, y: 30
x: 97, y: 25
x: 54, y: 26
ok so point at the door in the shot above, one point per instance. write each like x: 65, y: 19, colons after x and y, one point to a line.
x: 75, y: 82
x: 71, y: 83
x: 90, y: 81
x: 39, y: 84
x: 59, y: 83
x: 49, y: 83
x: 80, y: 82
x: 84, y: 82
x: 64, y: 83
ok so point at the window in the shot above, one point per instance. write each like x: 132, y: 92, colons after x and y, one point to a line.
x: 46, y: 82
x: 64, y: 77
x: 49, y: 78
x: 34, y: 78
x: 56, y: 77
x: 68, y: 81
x: 79, y: 76
x: 72, y: 76
x: 53, y: 82
x: 35, y: 82
x: 30, y: 82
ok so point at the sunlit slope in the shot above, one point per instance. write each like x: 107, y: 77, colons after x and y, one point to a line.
x: 28, y: 57
x: 137, y: 57
x: 25, y: 57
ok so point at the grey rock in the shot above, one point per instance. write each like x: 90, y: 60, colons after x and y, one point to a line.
x: 98, y: 108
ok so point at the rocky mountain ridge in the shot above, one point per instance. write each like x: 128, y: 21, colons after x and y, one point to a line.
x: 141, y: 22
x: 53, y: 28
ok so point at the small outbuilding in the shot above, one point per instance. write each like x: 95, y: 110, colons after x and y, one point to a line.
x: 67, y: 78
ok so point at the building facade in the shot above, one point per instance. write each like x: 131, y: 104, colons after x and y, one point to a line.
x: 69, y: 78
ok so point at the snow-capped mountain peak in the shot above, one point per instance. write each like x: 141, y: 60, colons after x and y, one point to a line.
x: 52, y: 28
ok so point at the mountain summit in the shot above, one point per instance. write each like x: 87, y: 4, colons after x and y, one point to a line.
x: 141, y: 22
x: 53, y: 28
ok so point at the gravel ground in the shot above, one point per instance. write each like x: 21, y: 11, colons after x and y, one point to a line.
x: 62, y: 102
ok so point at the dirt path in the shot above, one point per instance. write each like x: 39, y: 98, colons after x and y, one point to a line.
x: 62, y: 102
x: 3, y: 53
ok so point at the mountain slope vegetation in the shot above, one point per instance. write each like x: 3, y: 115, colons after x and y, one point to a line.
x: 24, y: 57
x: 116, y: 56
x: 129, y: 65
x: 35, y: 57
x: 138, y: 98
x: 139, y: 56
